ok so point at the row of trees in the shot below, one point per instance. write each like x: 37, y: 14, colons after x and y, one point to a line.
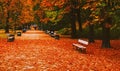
x: 9, y: 11
x: 63, y: 12
x: 86, y: 12
x: 15, y: 13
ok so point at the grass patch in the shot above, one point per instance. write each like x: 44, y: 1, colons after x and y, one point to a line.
x: 3, y: 35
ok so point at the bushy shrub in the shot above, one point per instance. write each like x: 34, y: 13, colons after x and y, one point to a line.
x: 114, y: 33
x: 64, y: 31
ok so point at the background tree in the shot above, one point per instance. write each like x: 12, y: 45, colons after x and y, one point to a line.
x: 53, y: 12
x: 27, y: 14
x: 6, y: 13
x: 11, y: 10
x: 15, y: 12
x: 102, y: 12
x: 38, y: 13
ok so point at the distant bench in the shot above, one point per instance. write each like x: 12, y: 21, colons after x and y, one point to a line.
x: 18, y: 33
x: 24, y: 30
x: 52, y: 34
x: 81, y: 45
x: 10, y: 37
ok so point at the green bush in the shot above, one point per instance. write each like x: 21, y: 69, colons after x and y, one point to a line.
x: 114, y: 33
x: 64, y: 31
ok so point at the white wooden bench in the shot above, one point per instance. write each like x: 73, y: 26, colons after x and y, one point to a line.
x: 81, y: 45
x: 10, y: 37
x: 54, y: 35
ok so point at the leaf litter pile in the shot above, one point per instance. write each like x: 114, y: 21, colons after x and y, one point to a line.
x: 37, y: 51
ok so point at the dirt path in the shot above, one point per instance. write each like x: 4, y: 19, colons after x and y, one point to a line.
x: 37, y: 51
x: 34, y: 34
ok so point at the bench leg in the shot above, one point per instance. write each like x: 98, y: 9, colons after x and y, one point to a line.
x: 82, y: 50
x: 74, y: 47
x: 10, y: 40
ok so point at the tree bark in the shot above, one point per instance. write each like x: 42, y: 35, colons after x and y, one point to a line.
x: 106, y: 37
x: 79, y: 20
x: 73, y: 28
x: 106, y: 32
x: 7, y: 19
x: 73, y: 25
x: 91, y: 33
x: 7, y: 28
x: 7, y: 24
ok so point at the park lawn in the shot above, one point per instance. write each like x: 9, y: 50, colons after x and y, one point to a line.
x: 4, y: 35
x: 2, y: 31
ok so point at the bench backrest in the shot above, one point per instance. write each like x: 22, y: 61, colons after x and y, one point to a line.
x: 83, y: 42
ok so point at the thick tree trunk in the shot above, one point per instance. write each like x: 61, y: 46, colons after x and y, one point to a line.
x: 106, y: 32
x: 106, y: 37
x: 91, y: 33
x: 73, y: 29
x: 73, y: 25
x: 79, y: 20
x: 7, y: 28
x: 7, y: 23
x: 7, y: 19
x: 15, y: 28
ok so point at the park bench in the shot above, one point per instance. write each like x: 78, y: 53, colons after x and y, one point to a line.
x: 18, y: 33
x: 54, y: 35
x: 10, y: 37
x: 81, y: 45
x: 24, y: 30
x: 47, y: 31
x: 57, y: 37
x: 51, y: 33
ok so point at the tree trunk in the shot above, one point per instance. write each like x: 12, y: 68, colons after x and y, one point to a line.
x: 106, y: 37
x: 7, y: 28
x: 91, y: 33
x: 7, y: 23
x: 73, y: 25
x: 73, y: 28
x: 15, y: 28
x: 79, y: 20
x: 7, y: 19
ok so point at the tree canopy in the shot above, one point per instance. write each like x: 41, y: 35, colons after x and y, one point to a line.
x: 53, y: 12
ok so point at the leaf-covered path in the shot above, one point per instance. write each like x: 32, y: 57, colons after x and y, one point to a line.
x: 37, y: 51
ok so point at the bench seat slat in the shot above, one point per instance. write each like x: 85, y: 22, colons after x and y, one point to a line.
x: 78, y: 45
x: 10, y: 37
x: 83, y: 42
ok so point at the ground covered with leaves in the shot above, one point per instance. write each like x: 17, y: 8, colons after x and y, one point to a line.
x: 37, y: 51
